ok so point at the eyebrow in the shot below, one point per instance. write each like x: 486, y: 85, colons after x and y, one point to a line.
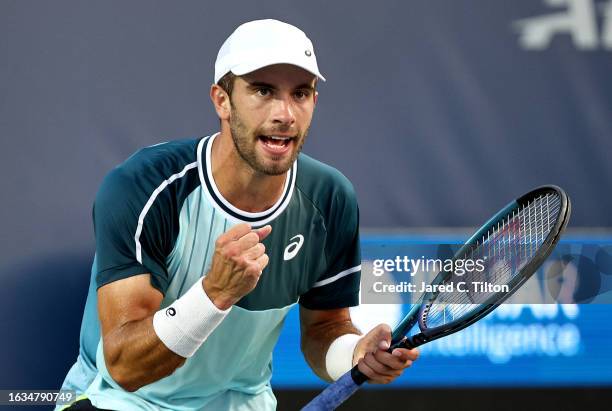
x: 257, y: 84
x: 305, y: 86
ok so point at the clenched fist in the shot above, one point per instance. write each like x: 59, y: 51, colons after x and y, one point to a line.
x: 239, y: 259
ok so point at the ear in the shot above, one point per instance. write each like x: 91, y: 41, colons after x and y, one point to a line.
x: 316, y: 96
x: 221, y: 101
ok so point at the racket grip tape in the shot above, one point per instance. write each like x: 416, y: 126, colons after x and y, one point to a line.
x: 334, y: 395
x: 338, y: 392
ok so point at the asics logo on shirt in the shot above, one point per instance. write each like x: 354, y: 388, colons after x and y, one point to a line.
x: 294, y: 246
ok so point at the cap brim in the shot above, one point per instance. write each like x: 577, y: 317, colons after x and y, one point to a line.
x: 249, y: 67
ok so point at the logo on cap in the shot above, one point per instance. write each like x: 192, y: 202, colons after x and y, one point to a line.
x: 308, y: 53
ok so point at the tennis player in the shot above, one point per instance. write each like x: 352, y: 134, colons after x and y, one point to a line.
x: 204, y: 245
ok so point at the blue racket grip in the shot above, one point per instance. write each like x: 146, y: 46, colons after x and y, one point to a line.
x: 341, y: 390
x: 334, y: 395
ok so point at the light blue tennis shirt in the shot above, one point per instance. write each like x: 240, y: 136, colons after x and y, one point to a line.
x: 160, y: 212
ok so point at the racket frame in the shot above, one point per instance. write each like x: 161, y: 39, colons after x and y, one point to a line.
x: 419, y: 313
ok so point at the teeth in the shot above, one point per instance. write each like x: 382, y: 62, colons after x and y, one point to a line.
x: 279, y: 138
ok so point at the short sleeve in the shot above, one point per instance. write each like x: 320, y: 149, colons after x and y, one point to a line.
x: 338, y: 287
x: 130, y: 231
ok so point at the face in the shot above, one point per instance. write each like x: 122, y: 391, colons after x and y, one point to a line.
x: 271, y: 111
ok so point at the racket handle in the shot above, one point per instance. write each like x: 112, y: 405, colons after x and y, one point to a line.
x: 336, y: 393
x: 407, y: 342
x: 357, y: 376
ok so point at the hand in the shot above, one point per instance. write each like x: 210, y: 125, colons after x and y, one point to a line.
x: 375, y: 362
x: 237, y: 264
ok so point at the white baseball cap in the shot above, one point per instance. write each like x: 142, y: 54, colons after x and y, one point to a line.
x: 261, y: 43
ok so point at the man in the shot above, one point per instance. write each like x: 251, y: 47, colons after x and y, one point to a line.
x: 203, y: 246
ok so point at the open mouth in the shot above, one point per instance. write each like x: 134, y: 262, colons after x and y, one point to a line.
x: 276, y: 144
x: 275, y: 140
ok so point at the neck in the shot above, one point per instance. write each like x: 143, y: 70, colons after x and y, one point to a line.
x: 239, y: 184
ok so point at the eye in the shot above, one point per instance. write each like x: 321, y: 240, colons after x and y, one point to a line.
x: 302, y: 94
x: 263, y: 91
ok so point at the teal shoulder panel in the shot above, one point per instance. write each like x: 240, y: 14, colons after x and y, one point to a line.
x: 333, y: 195
x: 136, y: 211
x: 324, y: 184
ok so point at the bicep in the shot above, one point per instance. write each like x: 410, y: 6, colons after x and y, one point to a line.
x: 128, y: 241
x: 127, y: 300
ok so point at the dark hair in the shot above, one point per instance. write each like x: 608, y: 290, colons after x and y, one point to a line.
x: 227, y: 83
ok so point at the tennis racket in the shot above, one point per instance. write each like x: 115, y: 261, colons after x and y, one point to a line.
x: 513, y: 244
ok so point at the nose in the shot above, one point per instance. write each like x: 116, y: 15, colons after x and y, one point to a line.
x: 283, y: 111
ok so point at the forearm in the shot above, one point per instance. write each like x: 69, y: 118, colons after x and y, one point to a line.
x: 316, y: 339
x: 154, y: 344
x: 135, y: 356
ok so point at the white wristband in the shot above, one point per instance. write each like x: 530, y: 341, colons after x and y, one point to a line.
x: 339, y: 357
x: 187, y: 322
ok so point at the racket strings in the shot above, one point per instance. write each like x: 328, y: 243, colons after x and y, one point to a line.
x: 505, y: 249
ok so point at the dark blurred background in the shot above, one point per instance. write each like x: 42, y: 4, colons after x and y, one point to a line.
x: 439, y: 113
